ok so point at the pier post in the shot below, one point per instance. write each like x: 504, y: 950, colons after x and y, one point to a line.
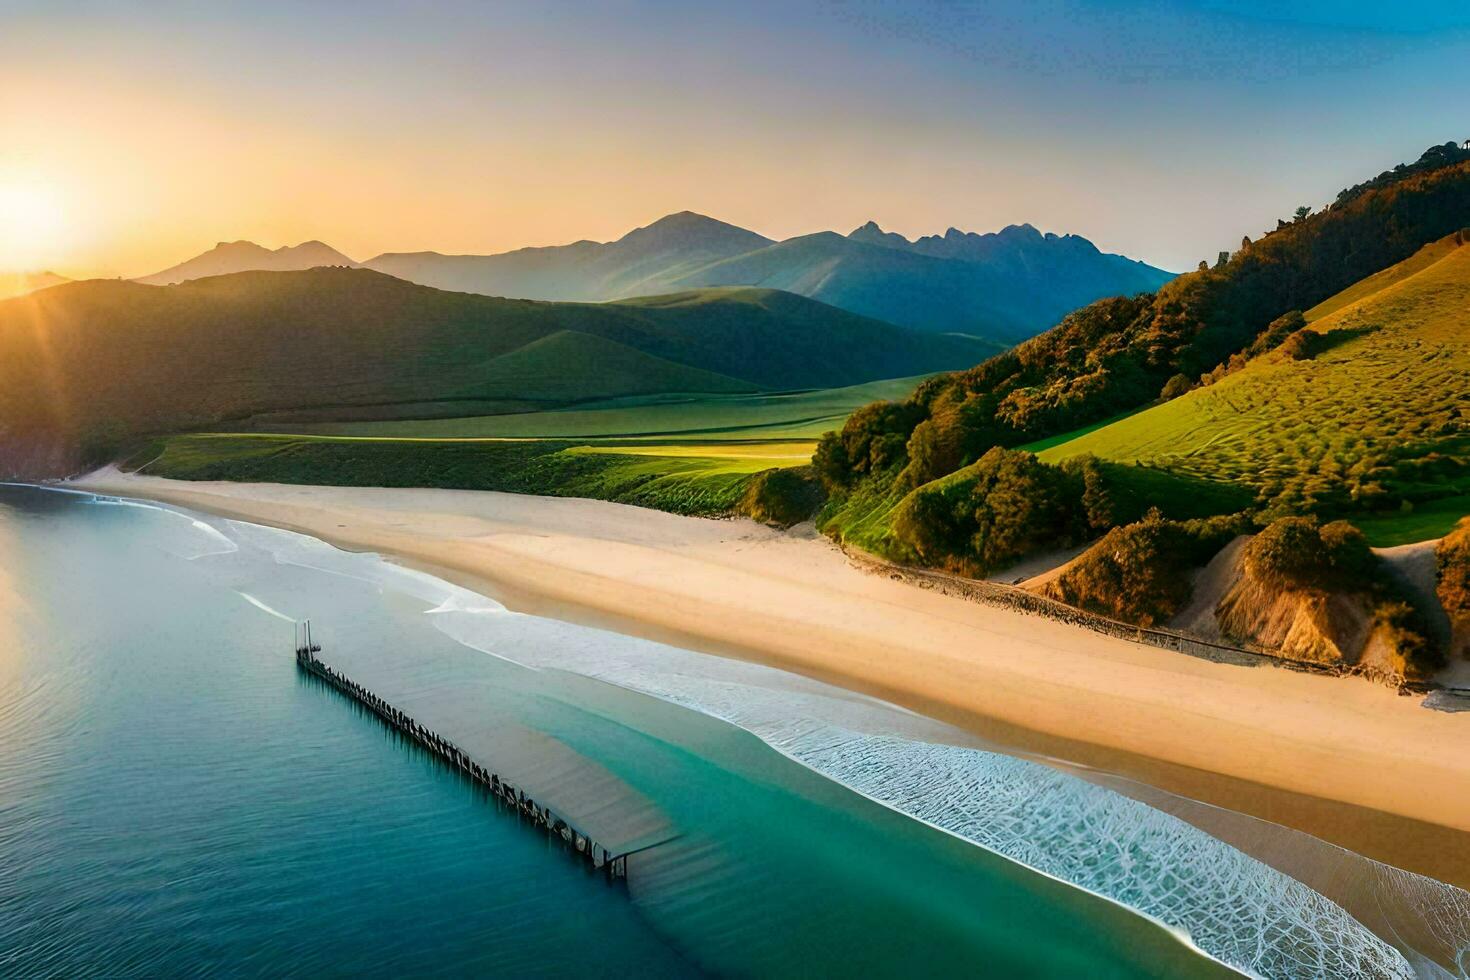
x: 612, y: 866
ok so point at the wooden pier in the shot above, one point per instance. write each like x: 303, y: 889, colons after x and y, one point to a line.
x: 596, y: 856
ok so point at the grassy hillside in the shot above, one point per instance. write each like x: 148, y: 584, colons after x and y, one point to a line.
x: 1364, y: 413
x: 1380, y: 415
x: 86, y: 367
x: 688, y: 480
x: 1419, y: 261
x: 569, y: 366
x: 782, y: 415
x: 1120, y: 354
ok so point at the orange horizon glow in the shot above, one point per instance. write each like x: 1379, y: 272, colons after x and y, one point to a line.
x: 159, y: 131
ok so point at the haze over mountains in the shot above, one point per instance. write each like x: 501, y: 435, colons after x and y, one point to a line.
x: 1004, y: 286
x: 114, y: 360
x: 229, y: 257
x: 20, y: 283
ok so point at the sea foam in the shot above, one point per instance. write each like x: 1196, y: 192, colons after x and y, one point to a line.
x: 1224, y: 902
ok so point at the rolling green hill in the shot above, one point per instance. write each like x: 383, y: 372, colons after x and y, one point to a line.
x: 1121, y: 354
x: 87, y: 367
x: 1364, y: 413
x: 691, y: 480
x: 1380, y: 415
x: 540, y: 371
x: 658, y: 418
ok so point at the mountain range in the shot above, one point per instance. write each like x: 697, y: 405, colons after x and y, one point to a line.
x: 88, y: 367
x: 1004, y: 286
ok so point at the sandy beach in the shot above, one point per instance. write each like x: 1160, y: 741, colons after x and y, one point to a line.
x: 1346, y: 760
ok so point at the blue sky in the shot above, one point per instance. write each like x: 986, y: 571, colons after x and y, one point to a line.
x: 1162, y: 130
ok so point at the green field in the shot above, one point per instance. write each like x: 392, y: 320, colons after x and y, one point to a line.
x: 683, y: 480
x: 685, y: 454
x: 1381, y: 414
x: 801, y: 415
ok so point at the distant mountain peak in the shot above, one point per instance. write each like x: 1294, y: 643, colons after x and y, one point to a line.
x: 691, y: 230
x: 247, y: 256
x: 685, y: 219
x: 1025, y: 230
x: 873, y: 234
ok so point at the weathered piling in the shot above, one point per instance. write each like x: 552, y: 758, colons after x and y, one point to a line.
x: 596, y: 856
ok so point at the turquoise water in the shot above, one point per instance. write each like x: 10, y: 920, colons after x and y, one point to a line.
x: 175, y: 798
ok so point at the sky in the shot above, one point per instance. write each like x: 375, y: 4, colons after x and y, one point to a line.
x: 134, y: 135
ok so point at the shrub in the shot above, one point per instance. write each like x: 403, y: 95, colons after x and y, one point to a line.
x: 829, y: 460
x: 1452, y: 585
x: 933, y: 450
x: 1302, y: 345
x: 1140, y: 573
x: 782, y: 497
x: 873, y: 439
x: 991, y: 513
x: 1408, y: 635
x: 1281, y: 328
x: 1100, y: 503
x: 1295, y: 552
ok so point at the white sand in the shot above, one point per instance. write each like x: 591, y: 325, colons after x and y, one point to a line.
x: 1301, y: 749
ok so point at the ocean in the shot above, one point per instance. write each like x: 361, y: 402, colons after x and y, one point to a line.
x: 177, y: 798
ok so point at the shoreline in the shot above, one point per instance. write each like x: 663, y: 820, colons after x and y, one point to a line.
x: 1287, y: 747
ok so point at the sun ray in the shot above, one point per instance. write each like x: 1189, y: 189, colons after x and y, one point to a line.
x: 33, y: 226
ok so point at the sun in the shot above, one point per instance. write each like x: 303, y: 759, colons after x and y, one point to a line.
x: 32, y: 225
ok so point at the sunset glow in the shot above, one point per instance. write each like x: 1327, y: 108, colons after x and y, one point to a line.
x: 33, y: 226
x: 466, y: 128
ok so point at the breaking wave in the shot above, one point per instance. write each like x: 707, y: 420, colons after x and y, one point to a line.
x: 1229, y: 905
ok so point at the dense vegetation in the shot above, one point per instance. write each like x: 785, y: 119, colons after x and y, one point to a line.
x: 1142, y: 572
x: 1366, y: 411
x: 1452, y: 559
x: 1302, y: 554
x: 782, y: 497
x: 1008, y: 504
x: 708, y: 417
x: 1120, y: 353
x: 86, y: 368
x: 1306, y: 374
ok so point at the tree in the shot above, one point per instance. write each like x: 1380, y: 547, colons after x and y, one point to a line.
x: 1302, y: 213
